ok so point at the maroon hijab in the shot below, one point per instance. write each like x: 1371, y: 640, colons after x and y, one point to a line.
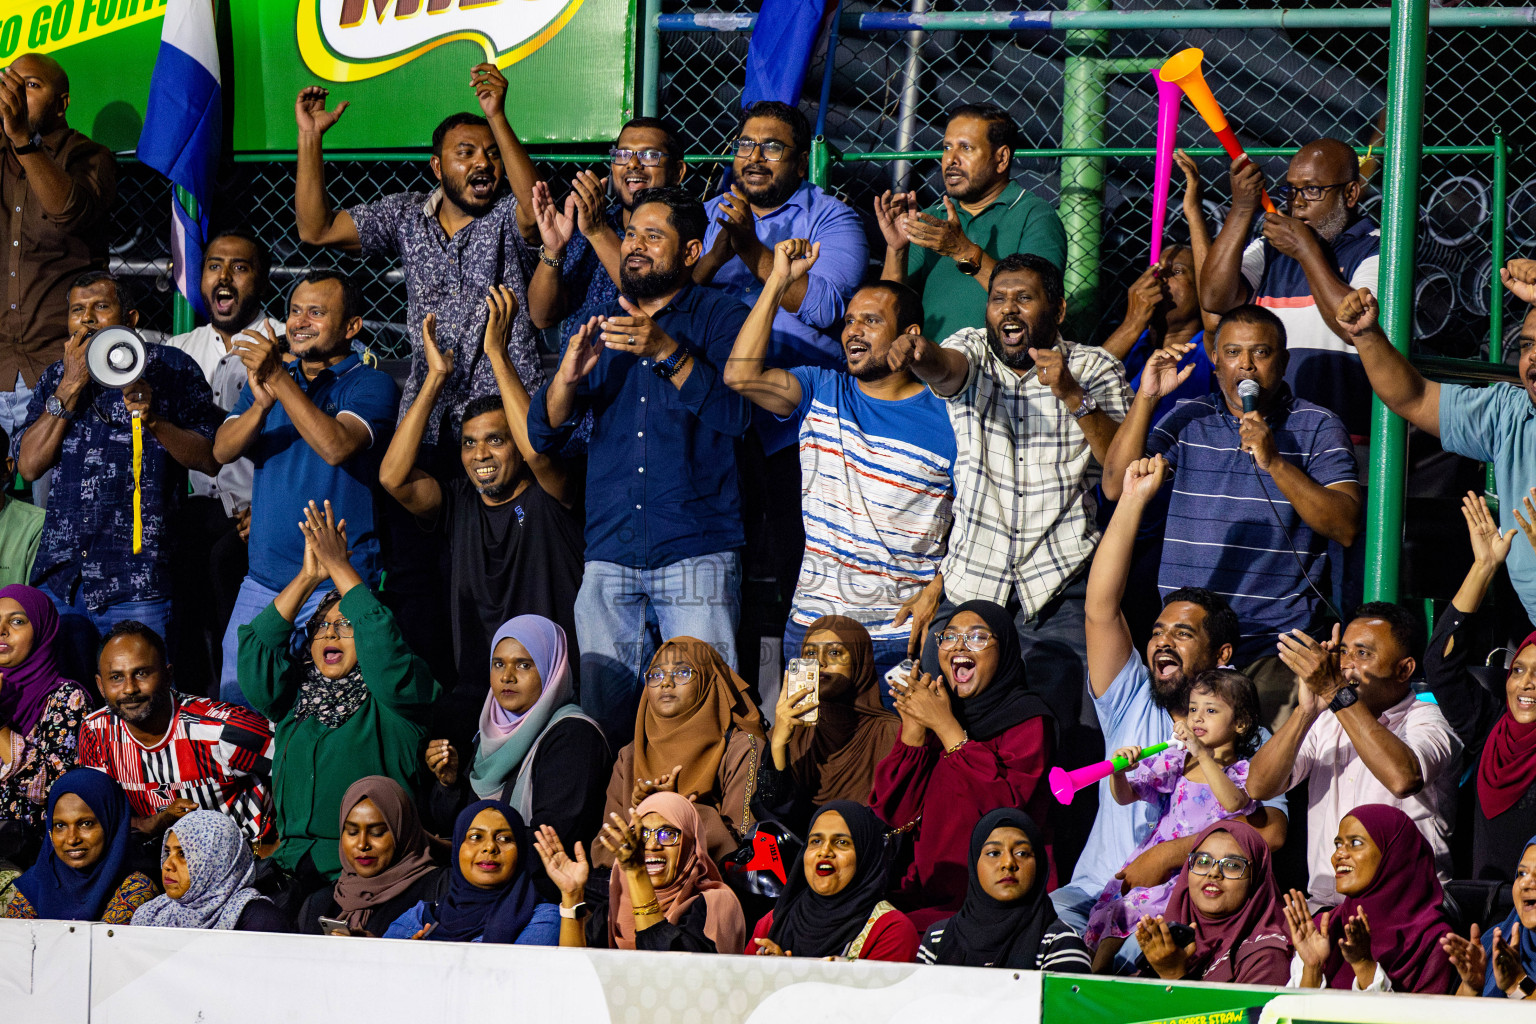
x: 1224, y: 946
x: 1508, y: 765
x: 1402, y: 905
x: 25, y: 688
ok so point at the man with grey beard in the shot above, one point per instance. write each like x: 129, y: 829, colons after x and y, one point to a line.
x: 1312, y: 255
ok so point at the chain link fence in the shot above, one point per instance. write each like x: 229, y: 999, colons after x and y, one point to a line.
x: 1280, y: 88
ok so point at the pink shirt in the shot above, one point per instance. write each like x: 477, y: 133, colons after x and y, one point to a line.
x: 1338, y: 782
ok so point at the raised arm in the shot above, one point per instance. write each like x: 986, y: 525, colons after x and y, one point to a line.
x: 944, y: 370
x: 413, y: 487
x: 777, y: 391
x: 334, y: 438
x: 1294, y: 238
x: 1402, y: 388
x: 891, y: 212
x: 1141, y: 301
x: 1110, y: 644
x: 1221, y: 276
x: 548, y: 469
x: 1159, y: 378
x: 546, y: 287
x: 490, y: 87
x: 318, y: 223
x: 581, y: 357
x: 46, y: 178
x: 44, y: 439
x: 1199, y: 234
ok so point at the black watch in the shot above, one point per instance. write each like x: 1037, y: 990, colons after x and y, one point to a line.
x: 1343, y: 699
x: 1528, y: 986
x: 33, y: 144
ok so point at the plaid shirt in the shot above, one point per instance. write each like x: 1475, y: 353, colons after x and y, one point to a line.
x: 1024, y: 476
x: 217, y: 755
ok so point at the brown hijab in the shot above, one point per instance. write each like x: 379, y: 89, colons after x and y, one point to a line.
x: 357, y: 897
x: 695, y: 739
x: 835, y: 759
x: 697, y: 878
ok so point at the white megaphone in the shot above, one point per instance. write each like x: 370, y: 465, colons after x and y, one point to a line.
x: 116, y: 356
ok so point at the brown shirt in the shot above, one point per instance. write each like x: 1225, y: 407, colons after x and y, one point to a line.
x: 44, y: 254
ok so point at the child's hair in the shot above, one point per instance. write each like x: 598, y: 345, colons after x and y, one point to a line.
x: 1238, y: 691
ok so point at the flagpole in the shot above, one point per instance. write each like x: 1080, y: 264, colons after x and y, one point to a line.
x: 183, y: 316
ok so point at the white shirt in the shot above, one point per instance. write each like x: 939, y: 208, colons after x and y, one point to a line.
x: 1338, y: 782
x: 226, y: 376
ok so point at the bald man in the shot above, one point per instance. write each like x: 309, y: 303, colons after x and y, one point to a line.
x: 57, y: 187
x: 1311, y: 255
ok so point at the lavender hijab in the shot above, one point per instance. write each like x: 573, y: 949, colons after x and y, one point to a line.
x: 25, y: 688
x: 506, y: 738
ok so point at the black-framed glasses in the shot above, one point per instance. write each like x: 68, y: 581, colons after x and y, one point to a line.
x: 773, y: 149
x: 665, y: 836
x: 1227, y: 867
x: 974, y: 639
x: 341, y: 627
x: 1311, y: 193
x: 648, y: 157
x: 680, y: 676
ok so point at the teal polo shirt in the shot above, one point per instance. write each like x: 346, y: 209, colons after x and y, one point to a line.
x: 1018, y: 221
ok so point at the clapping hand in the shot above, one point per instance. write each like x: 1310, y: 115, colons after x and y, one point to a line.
x: 1489, y: 546
x: 1170, y: 960
x: 1527, y: 522
x: 569, y: 874
x: 1161, y: 376
x: 443, y: 761
x: 326, y: 537
x: 1309, y: 939
x: 439, y: 363
x: 891, y: 212
x: 1316, y: 665
x: 555, y: 225
x: 621, y: 838
x: 310, y: 113
x: 643, y: 788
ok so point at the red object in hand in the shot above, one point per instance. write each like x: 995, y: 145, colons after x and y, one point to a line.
x: 765, y: 857
x: 1184, y: 70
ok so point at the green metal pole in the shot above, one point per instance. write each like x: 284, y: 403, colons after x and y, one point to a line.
x: 183, y: 316
x: 821, y: 156
x: 1083, y: 110
x: 1400, y: 206
x: 650, y: 58
x: 1500, y: 217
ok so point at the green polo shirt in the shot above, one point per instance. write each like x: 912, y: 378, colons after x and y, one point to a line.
x: 1016, y: 222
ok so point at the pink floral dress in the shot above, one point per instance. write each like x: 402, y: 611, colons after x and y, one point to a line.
x: 1188, y: 809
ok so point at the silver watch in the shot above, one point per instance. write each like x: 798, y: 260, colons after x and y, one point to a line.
x: 56, y: 408
x: 1089, y: 405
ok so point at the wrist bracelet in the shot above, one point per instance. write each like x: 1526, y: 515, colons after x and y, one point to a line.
x: 964, y: 739
x: 653, y: 907
x: 668, y: 368
x: 548, y: 260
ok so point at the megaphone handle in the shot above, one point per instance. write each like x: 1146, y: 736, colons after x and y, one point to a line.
x: 138, y: 467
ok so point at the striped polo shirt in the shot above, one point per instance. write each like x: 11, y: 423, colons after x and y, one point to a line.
x: 876, y: 496
x: 1322, y: 369
x: 1231, y: 530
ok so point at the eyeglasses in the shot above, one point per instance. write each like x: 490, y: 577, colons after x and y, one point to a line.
x: 665, y: 836
x: 681, y: 676
x: 648, y: 157
x: 342, y: 629
x: 773, y: 149
x: 1311, y: 193
x: 975, y: 640
x: 1228, y: 867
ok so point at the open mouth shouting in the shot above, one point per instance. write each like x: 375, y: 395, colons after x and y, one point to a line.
x: 224, y: 301
x: 332, y: 655
x: 1012, y: 332
x: 635, y: 181
x: 481, y: 185
x: 854, y: 348
x: 655, y: 864
x: 1211, y: 890
x: 1166, y: 664
x: 825, y: 868
x: 963, y: 668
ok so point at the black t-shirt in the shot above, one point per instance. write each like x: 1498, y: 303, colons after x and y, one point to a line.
x: 522, y: 557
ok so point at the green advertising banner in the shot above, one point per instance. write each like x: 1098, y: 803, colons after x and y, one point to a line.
x: 403, y: 64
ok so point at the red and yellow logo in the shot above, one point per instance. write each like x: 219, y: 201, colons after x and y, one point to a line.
x: 350, y: 40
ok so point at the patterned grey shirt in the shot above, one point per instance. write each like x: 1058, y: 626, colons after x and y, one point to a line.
x: 450, y: 277
x: 1024, y: 475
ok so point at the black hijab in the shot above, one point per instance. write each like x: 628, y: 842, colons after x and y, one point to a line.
x: 493, y: 915
x: 1007, y: 699
x: 988, y: 933
x: 809, y: 924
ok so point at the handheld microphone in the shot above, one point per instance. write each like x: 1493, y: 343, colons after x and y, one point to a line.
x: 1248, y: 391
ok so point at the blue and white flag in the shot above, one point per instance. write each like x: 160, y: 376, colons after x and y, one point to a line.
x: 780, y: 49
x: 183, y: 130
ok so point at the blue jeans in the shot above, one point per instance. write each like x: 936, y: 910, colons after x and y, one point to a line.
x: 81, y: 630
x: 888, y: 654
x: 249, y: 603
x: 13, y: 413
x: 622, y: 613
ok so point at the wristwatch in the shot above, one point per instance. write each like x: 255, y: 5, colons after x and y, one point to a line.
x: 668, y: 368
x: 575, y: 913
x: 1527, y: 987
x: 970, y: 268
x: 1343, y: 699
x: 1089, y: 405
x: 55, y: 407
x: 34, y: 144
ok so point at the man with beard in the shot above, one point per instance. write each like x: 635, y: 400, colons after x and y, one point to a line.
x: 1306, y: 262
x: 1242, y: 515
x: 949, y: 251
x: 876, y: 458
x: 57, y: 187
x: 210, y: 558
x: 1361, y: 735
x: 1138, y: 700
x: 454, y: 244
x: 1033, y: 415
x: 663, y: 512
x: 1491, y: 424
x: 173, y: 753
x: 312, y: 428
x: 514, y: 542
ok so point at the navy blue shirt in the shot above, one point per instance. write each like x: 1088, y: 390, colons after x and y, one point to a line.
x: 661, y: 465
x: 88, y: 532
x: 289, y: 473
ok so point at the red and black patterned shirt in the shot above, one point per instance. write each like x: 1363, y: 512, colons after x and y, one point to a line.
x: 215, y: 754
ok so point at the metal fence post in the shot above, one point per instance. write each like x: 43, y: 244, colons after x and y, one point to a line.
x: 1083, y: 108
x: 650, y: 58
x: 1400, y: 208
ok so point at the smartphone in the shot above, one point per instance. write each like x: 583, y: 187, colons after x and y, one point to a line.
x: 802, y: 675
x: 334, y: 926
x: 896, y: 676
x: 1182, y: 934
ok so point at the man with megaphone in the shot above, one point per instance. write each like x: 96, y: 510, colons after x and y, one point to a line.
x: 120, y: 422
